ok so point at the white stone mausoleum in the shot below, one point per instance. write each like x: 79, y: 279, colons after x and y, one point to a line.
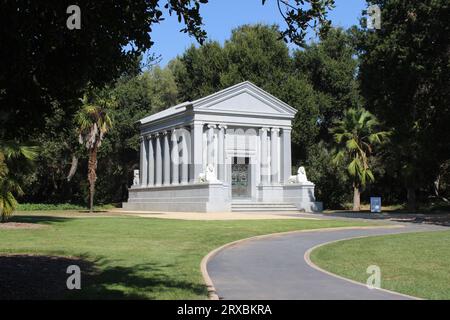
x: 229, y: 151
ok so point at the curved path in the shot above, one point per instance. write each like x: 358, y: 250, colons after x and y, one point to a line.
x: 275, y: 267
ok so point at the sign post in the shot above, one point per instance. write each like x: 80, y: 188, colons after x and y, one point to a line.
x: 375, y: 204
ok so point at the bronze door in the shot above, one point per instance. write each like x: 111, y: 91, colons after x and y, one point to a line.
x: 240, y: 178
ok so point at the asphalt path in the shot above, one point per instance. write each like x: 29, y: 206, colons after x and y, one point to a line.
x: 275, y: 268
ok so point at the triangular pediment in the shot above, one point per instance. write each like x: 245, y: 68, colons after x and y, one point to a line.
x: 244, y: 98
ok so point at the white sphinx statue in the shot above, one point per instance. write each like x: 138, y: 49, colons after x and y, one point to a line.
x: 300, y: 177
x: 135, y: 177
x: 211, y: 173
x: 209, y: 176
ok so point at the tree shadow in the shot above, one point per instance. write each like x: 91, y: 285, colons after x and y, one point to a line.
x: 39, y: 219
x: 44, y: 277
x: 419, y: 218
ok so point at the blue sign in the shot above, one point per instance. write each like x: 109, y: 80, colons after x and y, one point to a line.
x: 375, y: 204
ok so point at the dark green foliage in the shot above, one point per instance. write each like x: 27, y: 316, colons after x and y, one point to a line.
x: 405, y: 77
x: 136, y: 96
x: 330, y: 67
x: 333, y: 186
x: 43, y: 61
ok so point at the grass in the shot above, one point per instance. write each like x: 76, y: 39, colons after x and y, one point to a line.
x: 417, y: 264
x: 142, y: 258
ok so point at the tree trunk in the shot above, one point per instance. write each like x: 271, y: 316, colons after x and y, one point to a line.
x: 411, y: 199
x: 356, y: 198
x: 73, y: 168
x: 92, y: 176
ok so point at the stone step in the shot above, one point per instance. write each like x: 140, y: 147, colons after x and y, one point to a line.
x: 265, y: 210
x: 263, y: 206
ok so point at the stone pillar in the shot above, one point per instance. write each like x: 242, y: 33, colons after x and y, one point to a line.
x: 196, y: 157
x: 286, y: 156
x: 151, y: 162
x: 221, y: 153
x: 210, y: 145
x: 184, y: 156
x: 274, y: 155
x: 144, y: 161
x: 264, y: 157
x: 166, y: 159
x: 175, y: 157
x: 158, y: 160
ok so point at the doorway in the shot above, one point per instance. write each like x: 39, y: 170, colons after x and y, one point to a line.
x: 240, y: 178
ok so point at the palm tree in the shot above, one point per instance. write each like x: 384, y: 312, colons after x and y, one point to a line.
x: 93, y: 122
x: 356, y: 135
x: 14, y: 158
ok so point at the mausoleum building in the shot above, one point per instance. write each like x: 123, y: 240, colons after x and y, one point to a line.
x: 229, y: 151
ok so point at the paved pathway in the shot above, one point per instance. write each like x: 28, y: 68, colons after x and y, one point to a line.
x: 274, y: 268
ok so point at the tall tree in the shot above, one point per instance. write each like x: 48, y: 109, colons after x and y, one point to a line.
x: 136, y: 97
x: 198, y: 71
x: 405, y: 76
x: 356, y: 135
x: 331, y: 67
x: 93, y: 121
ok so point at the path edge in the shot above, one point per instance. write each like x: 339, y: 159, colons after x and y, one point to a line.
x: 212, y: 292
x: 307, y: 258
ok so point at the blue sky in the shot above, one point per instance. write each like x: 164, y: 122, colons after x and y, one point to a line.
x: 221, y: 16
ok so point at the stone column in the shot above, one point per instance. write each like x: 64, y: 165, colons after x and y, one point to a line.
x: 196, y: 156
x: 210, y: 146
x: 274, y: 155
x: 158, y: 160
x: 151, y: 161
x: 221, y: 153
x: 166, y: 159
x: 286, y: 156
x: 144, y: 161
x: 184, y: 156
x: 175, y: 157
x: 264, y: 157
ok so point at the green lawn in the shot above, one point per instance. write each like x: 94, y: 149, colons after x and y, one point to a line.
x: 417, y: 264
x: 140, y: 257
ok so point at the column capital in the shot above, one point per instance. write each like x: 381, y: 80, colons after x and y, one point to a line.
x: 264, y: 129
x: 165, y: 133
x: 222, y: 126
x: 287, y: 129
x: 276, y: 130
x: 141, y: 138
x: 211, y: 126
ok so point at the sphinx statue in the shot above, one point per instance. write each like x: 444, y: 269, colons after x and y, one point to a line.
x: 301, y: 175
x: 135, y: 177
x: 211, y: 173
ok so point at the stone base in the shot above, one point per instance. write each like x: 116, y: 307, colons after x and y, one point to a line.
x: 215, y: 197
x: 302, y: 196
x: 197, y: 197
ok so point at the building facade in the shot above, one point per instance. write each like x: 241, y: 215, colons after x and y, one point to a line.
x: 229, y: 150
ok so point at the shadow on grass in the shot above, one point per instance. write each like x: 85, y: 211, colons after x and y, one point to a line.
x: 44, y: 277
x: 441, y: 219
x: 38, y: 219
